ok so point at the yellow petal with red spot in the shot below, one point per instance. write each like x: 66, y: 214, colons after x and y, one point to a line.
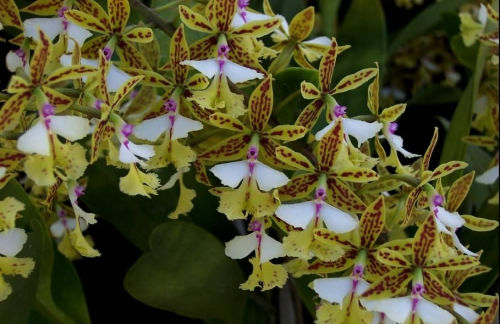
x: 446, y: 169
x: 139, y: 35
x: 226, y: 121
x: 355, y: 174
x: 220, y: 13
x: 425, y: 241
x: 194, y: 20
x: 287, y: 132
x: 18, y: 84
x: 392, y: 284
x: 299, y: 187
x: 329, y: 147
x: 257, y: 28
x: 302, y: 24
x: 179, y: 51
x: 40, y: 59
x: 354, y: 80
x: 118, y: 13
x: 392, y: 258
x: 479, y: 224
x: 341, y: 196
x: 426, y: 160
x: 373, y: 89
x: 44, y: 7
x: 260, y: 104
x: 294, y: 159
x: 69, y: 73
x: 232, y: 148
x: 392, y: 113
x: 327, y: 65
x: 9, y: 14
x: 372, y: 222
x: 435, y: 291
x: 130, y: 55
x: 310, y: 114
x: 87, y: 21
x: 309, y: 90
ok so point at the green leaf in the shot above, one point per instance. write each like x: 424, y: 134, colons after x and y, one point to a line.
x: 454, y: 147
x: 136, y: 217
x: 424, y: 21
x: 329, y: 16
x: 369, y: 44
x: 39, y: 247
x: 67, y: 289
x: 187, y: 272
x: 305, y: 293
x: 287, y: 97
x: 466, y: 55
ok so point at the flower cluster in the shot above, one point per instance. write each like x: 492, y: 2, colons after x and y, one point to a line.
x: 315, y: 197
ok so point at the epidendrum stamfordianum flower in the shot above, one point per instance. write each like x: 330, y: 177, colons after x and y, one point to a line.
x: 323, y: 206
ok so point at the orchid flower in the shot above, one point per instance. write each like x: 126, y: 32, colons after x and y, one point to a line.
x: 38, y: 138
x: 344, y: 291
x: 323, y: 97
x: 218, y: 95
x: 260, y: 107
x: 408, y: 308
x: 327, y: 181
x: 291, y: 40
x: 361, y: 247
x: 251, y: 180
x: 489, y: 176
x: 40, y: 80
x: 50, y: 154
x: 265, y: 274
x: 175, y: 126
x: 243, y: 15
x: 360, y: 130
x: 12, y: 240
x: 396, y: 141
x: 53, y: 27
x: 302, y: 215
x: 449, y: 221
x: 217, y: 22
x: 427, y: 288
x: 111, y: 25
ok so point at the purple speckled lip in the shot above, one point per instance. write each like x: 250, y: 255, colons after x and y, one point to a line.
x: 339, y: 110
x: 48, y: 110
x: 223, y: 50
x: 107, y: 53
x: 79, y: 191
x: 320, y: 193
x: 255, y: 226
x: 393, y: 127
x: 437, y: 200
x: 170, y: 105
x: 127, y: 130
x: 21, y: 54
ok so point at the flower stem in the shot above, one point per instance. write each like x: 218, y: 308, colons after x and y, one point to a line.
x: 152, y: 17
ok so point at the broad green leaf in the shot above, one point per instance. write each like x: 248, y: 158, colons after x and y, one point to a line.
x: 136, y: 217
x: 288, y: 101
x: 423, y: 22
x: 187, y: 272
x: 369, y: 44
